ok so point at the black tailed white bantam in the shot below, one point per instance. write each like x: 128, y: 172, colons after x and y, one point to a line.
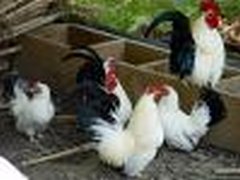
x: 197, y: 50
x: 183, y: 131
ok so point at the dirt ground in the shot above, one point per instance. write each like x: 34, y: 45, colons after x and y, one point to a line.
x: 169, y: 165
x: 202, y: 164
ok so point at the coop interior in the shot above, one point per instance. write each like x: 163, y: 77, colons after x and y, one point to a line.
x: 138, y: 64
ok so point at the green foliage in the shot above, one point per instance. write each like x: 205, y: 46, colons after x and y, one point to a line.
x: 127, y: 15
x: 230, y: 8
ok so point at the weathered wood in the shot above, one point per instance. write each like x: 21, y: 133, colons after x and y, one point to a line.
x: 25, y: 13
x: 10, y: 6
x: 68, y: 119
x: 30, y: 25
x: 35, y: 23
x: 62, y: 154
x: 11, y: 50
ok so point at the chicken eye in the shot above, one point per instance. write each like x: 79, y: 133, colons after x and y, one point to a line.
x: 211, y: 14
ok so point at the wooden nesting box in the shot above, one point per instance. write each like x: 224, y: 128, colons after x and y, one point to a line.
x: 139, y: 64
x: 45, y: 48
x: 227, y: 133
x: 162, y: 66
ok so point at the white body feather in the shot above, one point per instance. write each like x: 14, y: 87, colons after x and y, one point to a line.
x: 9, y: 171
x: 32, y: 115
x: 182, y: 131
x: 210, y: 54
x: 125, y: 109
x: 135, y: 146
x: 116, y: 144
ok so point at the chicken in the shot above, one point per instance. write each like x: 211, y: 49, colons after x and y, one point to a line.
x: 114, y: 86
x: 183, y: 131
x: 92, y: 97
x: 31, y: 106
x: 197, y: 52
x: 9, y: 171
x: 132, y: 147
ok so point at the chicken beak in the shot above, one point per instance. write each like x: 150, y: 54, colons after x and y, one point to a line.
x: 220, y: 23
x: 163, y: 91
x: 158, y: 95
x: 30, y: 94
x: 32, y: 91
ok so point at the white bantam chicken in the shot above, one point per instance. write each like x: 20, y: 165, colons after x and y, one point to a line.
x: 135, y: 146
x: 115, y: 87
x: 197, y: 50
x: 183, y: 131
x: 31, y: 106
x: 9, y: 171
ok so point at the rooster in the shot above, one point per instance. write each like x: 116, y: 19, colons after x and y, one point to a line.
x: 30, y: 104
x: 183, y: 131
x: 134, y: 146
x: 9, y: 171
x: 103, y: 74
x: 92, y: 97
x: 114, y: 86
x: 197, y: 51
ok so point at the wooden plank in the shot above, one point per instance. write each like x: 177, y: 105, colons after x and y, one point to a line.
x: 10, y: 50
x: 12, y: 5
x: 226, y: 134
x: 30, y: 25
x: 27, y: 12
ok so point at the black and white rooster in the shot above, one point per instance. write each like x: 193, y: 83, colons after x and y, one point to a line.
x: 92, y: 97
x: 197, y: 51
x: 96, y: 69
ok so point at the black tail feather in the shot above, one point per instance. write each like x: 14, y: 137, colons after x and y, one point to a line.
x: 93, y: 69
x: 85, y: 52
x: 179, y: 20
x: 8, y: 83
x: 216, y: 105
x: 182, y: 44
x: 93, y: 103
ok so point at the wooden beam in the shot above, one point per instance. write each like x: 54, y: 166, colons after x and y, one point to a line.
x: 55, y: 156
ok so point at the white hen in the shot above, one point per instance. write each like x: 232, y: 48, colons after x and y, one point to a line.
x: 134, y: 147
x: 183, y: 131
x: 32, y: 107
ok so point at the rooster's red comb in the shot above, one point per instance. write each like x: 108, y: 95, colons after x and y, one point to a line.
x: 207, y: 5
x: 32, y: 81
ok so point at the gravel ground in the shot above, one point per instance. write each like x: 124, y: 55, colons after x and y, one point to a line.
x: 169, y: 165
x: 201, y: 164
